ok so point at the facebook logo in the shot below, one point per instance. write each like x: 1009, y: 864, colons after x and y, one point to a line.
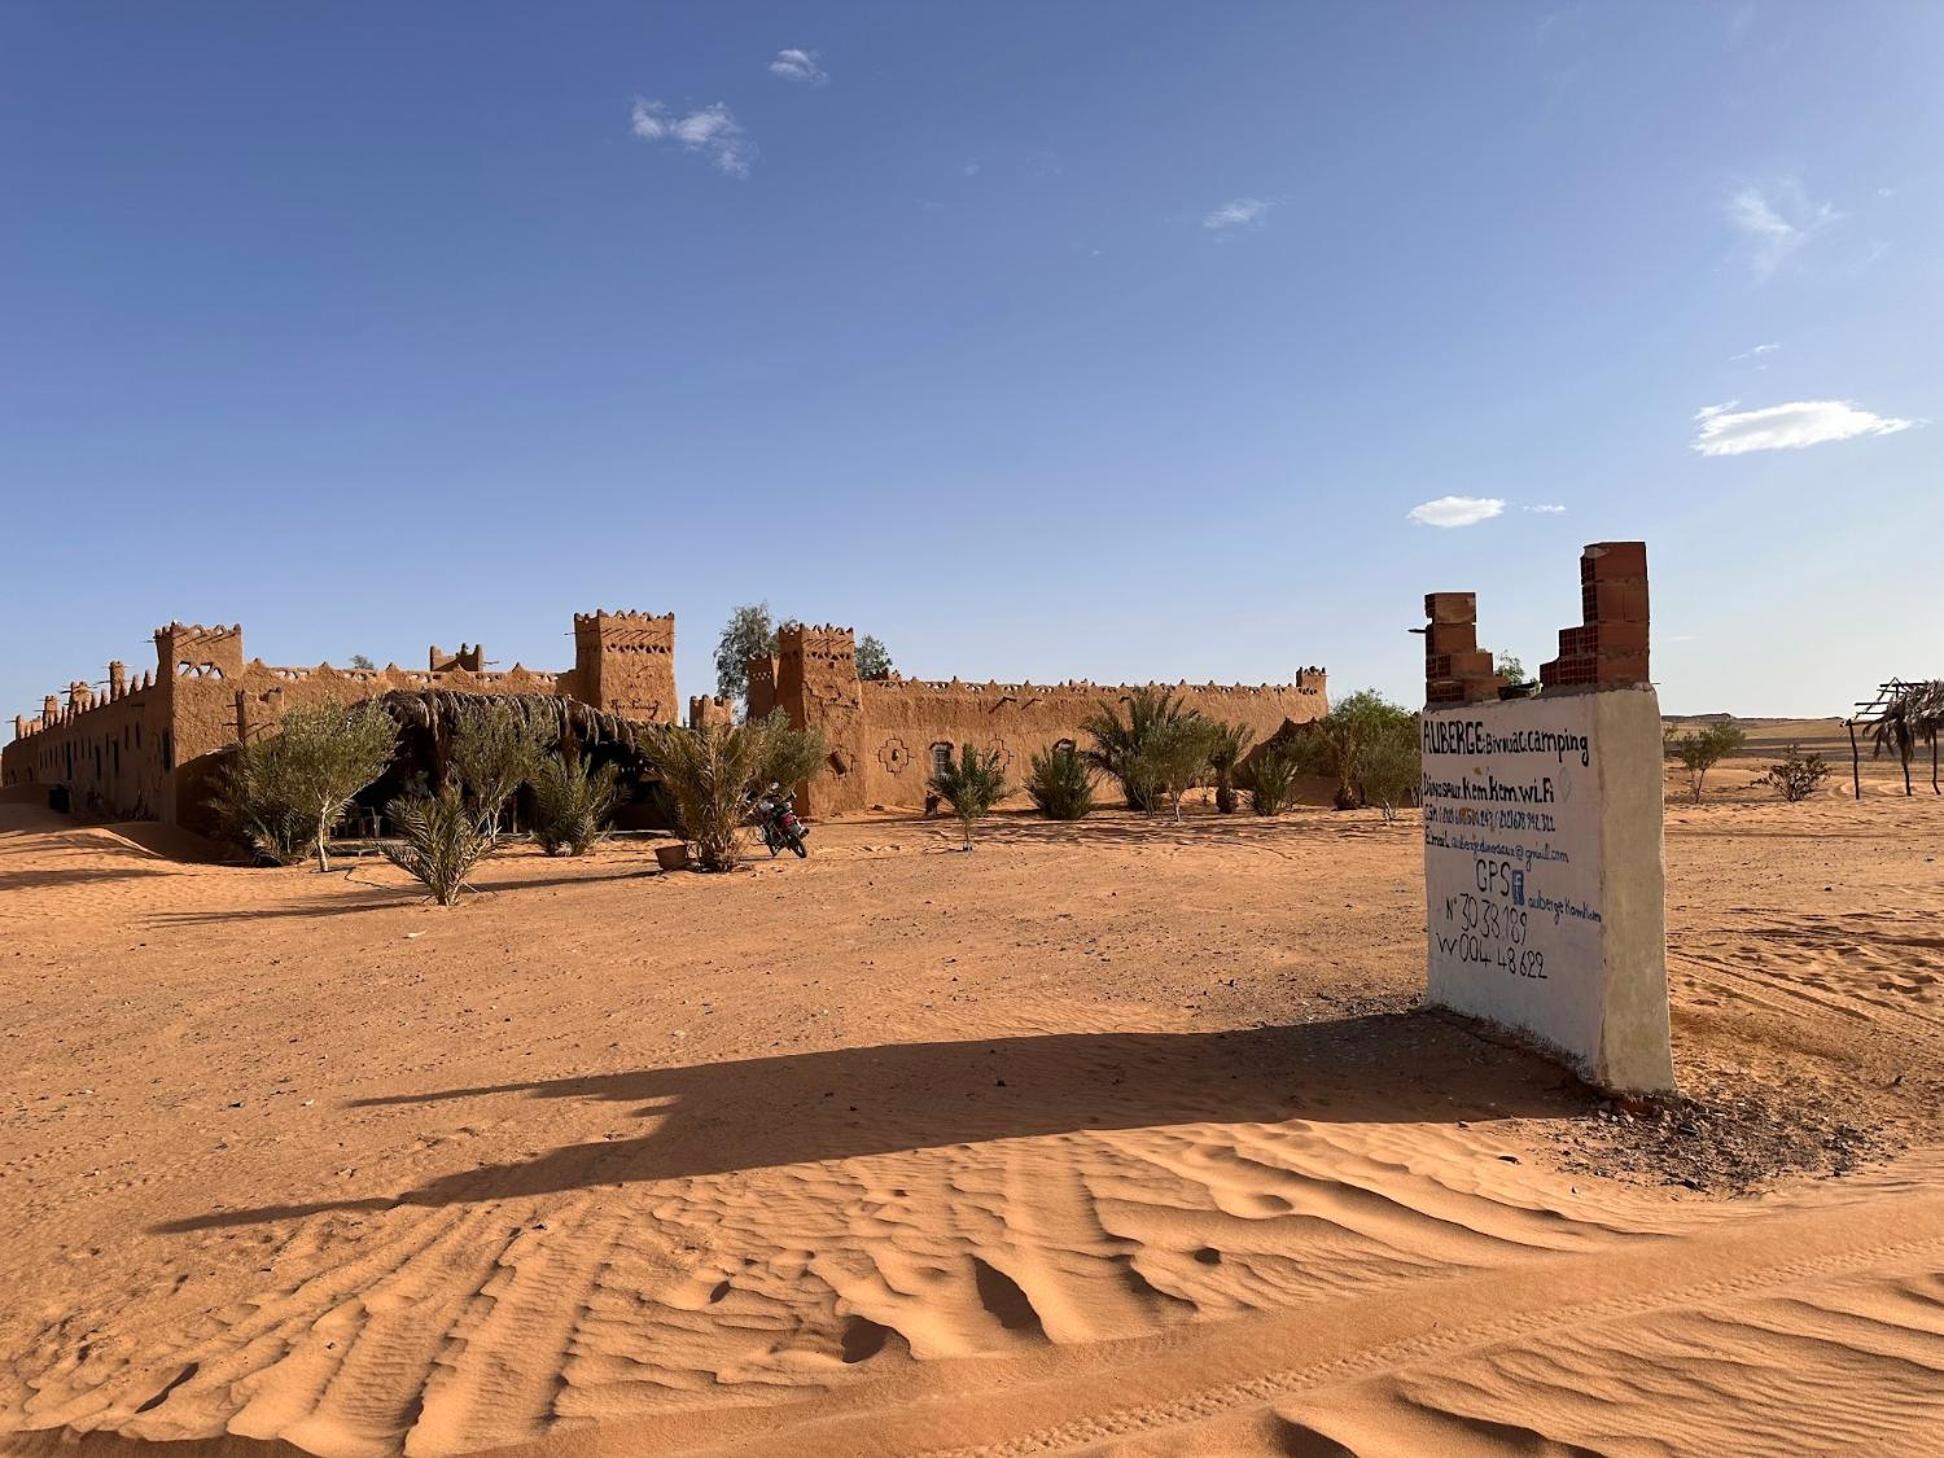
x: 1518, y: 888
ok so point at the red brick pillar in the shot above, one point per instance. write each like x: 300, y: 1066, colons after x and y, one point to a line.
x: 1456, y: 669
x: 1609, y: 647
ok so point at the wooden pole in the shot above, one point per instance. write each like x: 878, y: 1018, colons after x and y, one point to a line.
x: 1856, y: 762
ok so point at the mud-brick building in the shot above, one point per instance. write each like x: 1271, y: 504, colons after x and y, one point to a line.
x: 886, y: 736
x: 142, y: 749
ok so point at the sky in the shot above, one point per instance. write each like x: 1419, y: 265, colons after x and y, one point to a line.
x: 1118, y: 341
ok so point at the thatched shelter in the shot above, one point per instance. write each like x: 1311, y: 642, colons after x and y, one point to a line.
x: 426, y: 719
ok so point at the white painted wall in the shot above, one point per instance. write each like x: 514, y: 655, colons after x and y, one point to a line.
x: 1544, y: 879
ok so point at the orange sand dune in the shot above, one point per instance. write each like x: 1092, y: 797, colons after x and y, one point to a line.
x: 1118, y: 1138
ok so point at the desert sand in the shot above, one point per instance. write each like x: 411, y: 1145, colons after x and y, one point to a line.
x: 1118, y: 1138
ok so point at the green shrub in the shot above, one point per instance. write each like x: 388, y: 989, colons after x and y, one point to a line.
x: 439, y: 840
x: 1797, y: 775
x: 1390, y: 768
x: 1117, y: 746
x: 495, y: 750
x: 971, y: 787
x: 1271, y: 780
x: 712, y: 772
x: 1341, y: 742
x: 790, y: 757
x: 282, y: 794
x: 571, y: 804
x: 1175, y: 756
x: 1701, y: 751
x: 1061, y: 784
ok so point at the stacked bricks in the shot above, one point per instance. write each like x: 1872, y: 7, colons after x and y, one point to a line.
x: 1609, y: 647
x: 1456, y: 669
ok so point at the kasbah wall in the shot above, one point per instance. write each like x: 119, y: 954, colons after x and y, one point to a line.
x: 884, y: 734
x: 144, y: 750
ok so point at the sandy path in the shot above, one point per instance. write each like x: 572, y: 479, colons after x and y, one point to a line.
x: 1119, y: 1139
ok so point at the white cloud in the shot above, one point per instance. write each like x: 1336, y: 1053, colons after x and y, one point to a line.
x: 1779, y: 221
x: 712, y: 130
x: 1547, y: 508
x: 1241, y: 212
x: 1756, y: 353
x: 799, y: 65
x: 1456, y: 511
x: 1726, y: 431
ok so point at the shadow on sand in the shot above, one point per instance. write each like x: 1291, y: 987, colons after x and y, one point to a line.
x: 719, y: 1118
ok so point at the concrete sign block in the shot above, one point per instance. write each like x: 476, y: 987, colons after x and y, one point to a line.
x: 1544, y: 876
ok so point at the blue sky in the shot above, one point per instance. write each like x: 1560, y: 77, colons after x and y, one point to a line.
x: 1107, y: 340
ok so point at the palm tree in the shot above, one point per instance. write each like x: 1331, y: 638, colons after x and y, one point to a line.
x: 1117, y: 745
x: 1230, y: 743
x: 971, y: 787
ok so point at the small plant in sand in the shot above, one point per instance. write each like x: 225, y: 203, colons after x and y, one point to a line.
x: 282, y: 794
x: 494, y: 751
x: 1176, y: 756
x: 1797, y: 775
x: 571, y: 804
x: 712, y: 772
x: 972, y: 786
x: 1231, y: 743
x: 1061, y: 783
x: 1271, y: 779
x: 1117, y: 744
x: 1701, y: 750
x: 439, y: 839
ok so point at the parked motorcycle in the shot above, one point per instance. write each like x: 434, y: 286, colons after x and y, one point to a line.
x: 776, y: 816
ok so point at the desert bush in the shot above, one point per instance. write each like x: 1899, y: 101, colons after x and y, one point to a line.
x: 1340, y: 743
x: 1271, y: 780
x: 971, y: 787
x: 1231, y: 743
x: 712, y: 772
x: 1389, y: 767
x: 439, y: 839
x: 790, y: 757
x: 282, y: 794
x: 1701, y: 751
x: 494, y: 751
x: 1796, y: 775
x: 571, y: 804
x: 1061, y: 783
x: 1176, y: 755
x: 1117, y: 745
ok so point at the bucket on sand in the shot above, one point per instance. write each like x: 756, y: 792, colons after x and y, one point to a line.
x: 672, y: 857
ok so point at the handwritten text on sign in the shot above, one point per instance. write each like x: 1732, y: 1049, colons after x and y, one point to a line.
x: 1512, y: 843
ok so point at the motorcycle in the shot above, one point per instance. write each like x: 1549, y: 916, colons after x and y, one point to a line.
x: 776, y: 816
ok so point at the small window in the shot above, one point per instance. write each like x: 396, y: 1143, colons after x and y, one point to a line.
x: 941, y: 759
